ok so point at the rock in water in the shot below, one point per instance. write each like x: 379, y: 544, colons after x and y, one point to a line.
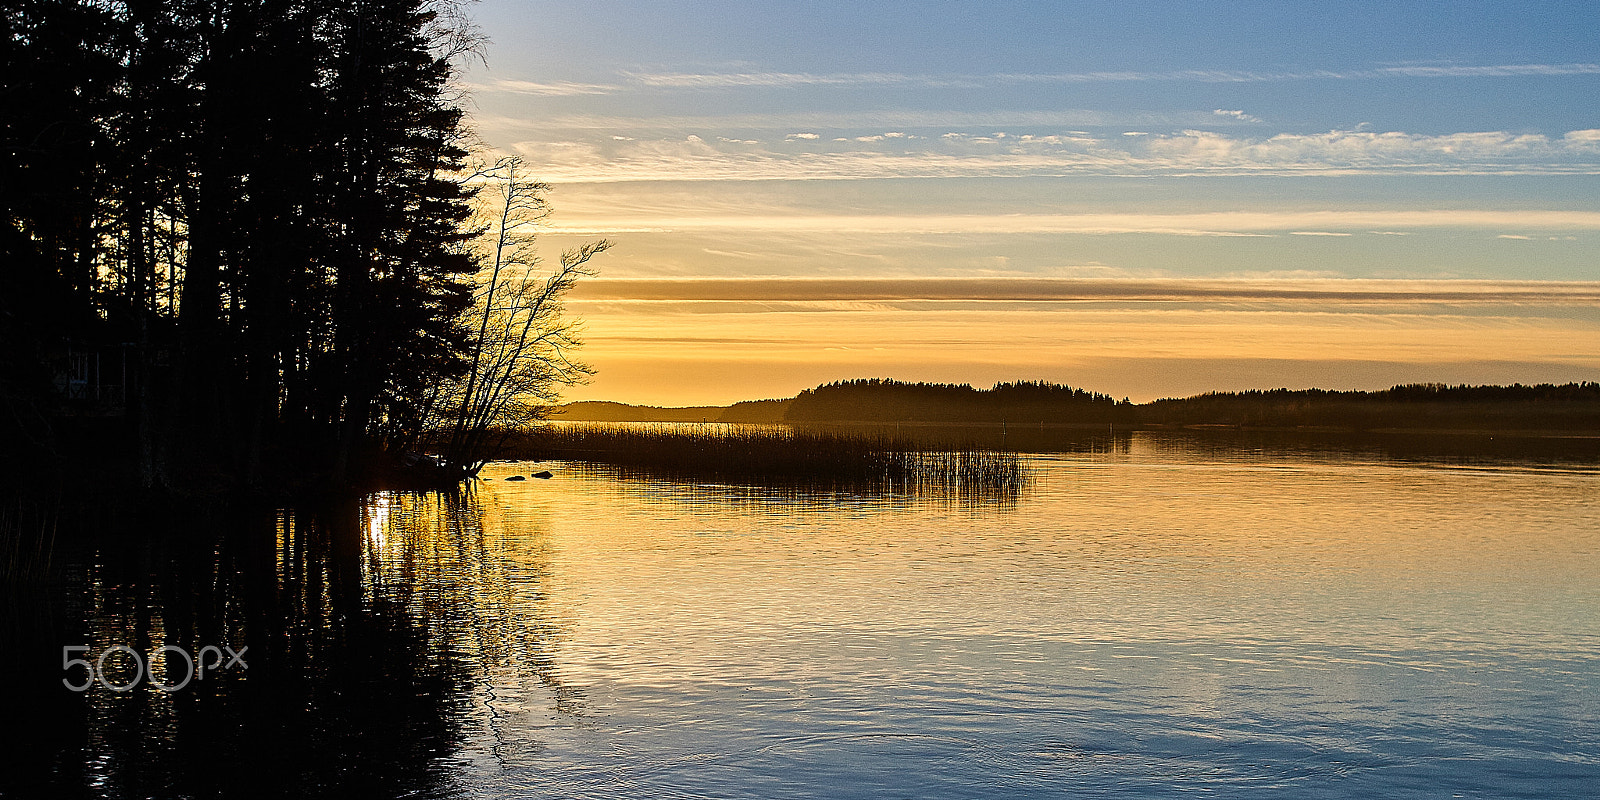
x: 546, y: 475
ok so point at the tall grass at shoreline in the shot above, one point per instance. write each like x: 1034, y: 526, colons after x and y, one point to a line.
x: 782, y: 455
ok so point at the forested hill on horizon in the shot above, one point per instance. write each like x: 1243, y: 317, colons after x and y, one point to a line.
x: 1572, y: 408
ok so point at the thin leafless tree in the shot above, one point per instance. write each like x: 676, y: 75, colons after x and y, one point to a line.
x: 522, y: 349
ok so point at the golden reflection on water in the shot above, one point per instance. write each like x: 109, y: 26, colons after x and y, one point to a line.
x: 1141, y: 588
x: 1111, y: 546
x: 1142, y: 611
x: 477, y: 586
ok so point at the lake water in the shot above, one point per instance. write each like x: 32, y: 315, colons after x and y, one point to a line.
x: 1157, y: 619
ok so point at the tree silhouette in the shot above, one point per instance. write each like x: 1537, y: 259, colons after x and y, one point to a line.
x: 521, y: 350
x: 256, y: 209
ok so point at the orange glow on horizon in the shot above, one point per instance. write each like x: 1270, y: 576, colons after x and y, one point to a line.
x: 715, y: 353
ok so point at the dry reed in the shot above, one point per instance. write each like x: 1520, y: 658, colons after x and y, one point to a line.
x: 782, y: 455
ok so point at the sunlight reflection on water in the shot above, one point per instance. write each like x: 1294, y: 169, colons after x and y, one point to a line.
x: 1153, y: 616
x: 1147, y: 622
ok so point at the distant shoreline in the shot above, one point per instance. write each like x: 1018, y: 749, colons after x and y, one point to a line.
x: 1569, y: 411
x: 1150, y: 428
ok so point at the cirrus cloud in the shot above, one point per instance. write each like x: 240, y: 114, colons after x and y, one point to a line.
x: 588, y: 157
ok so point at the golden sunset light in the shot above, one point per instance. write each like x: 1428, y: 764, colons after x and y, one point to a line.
x: 1355, y: 279
x: 758, y: 400
x: 1142, y: 350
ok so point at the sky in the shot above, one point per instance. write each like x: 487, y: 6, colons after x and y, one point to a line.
x: 1146, y: 200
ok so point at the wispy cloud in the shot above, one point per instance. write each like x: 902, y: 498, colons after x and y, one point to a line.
x: 825, y: 154
x: 728, y: 80
x: 1232, y: 223
x: 633, y: 81
x: 1070, y: 290
x: 553, y: 89
x: 1502, y: 71
x: 734, y: 80
x: 901, y: 120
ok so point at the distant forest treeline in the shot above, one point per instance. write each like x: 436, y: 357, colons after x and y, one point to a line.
x: 1572, y: 407
x: 882, y: 400
x: 878, y: 400
x: 235, y: 239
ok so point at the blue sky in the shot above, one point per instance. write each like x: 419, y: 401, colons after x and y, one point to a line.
x: 1267, y: 142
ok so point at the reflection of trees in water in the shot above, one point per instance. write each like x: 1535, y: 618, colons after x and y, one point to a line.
x: 1404, y: 447
x: 342, y: 693
x: 372, y: 629
x: 487, y: 601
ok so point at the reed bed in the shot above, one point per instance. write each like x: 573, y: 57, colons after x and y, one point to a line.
x: 766, y: 454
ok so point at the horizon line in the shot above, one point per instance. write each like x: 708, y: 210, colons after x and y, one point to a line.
x: 1082, y: 389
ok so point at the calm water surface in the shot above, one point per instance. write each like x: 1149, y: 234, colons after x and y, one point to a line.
x: 1149, y: 622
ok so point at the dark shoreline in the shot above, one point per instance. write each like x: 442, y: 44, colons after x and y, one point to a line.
x: 1571, y: 409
